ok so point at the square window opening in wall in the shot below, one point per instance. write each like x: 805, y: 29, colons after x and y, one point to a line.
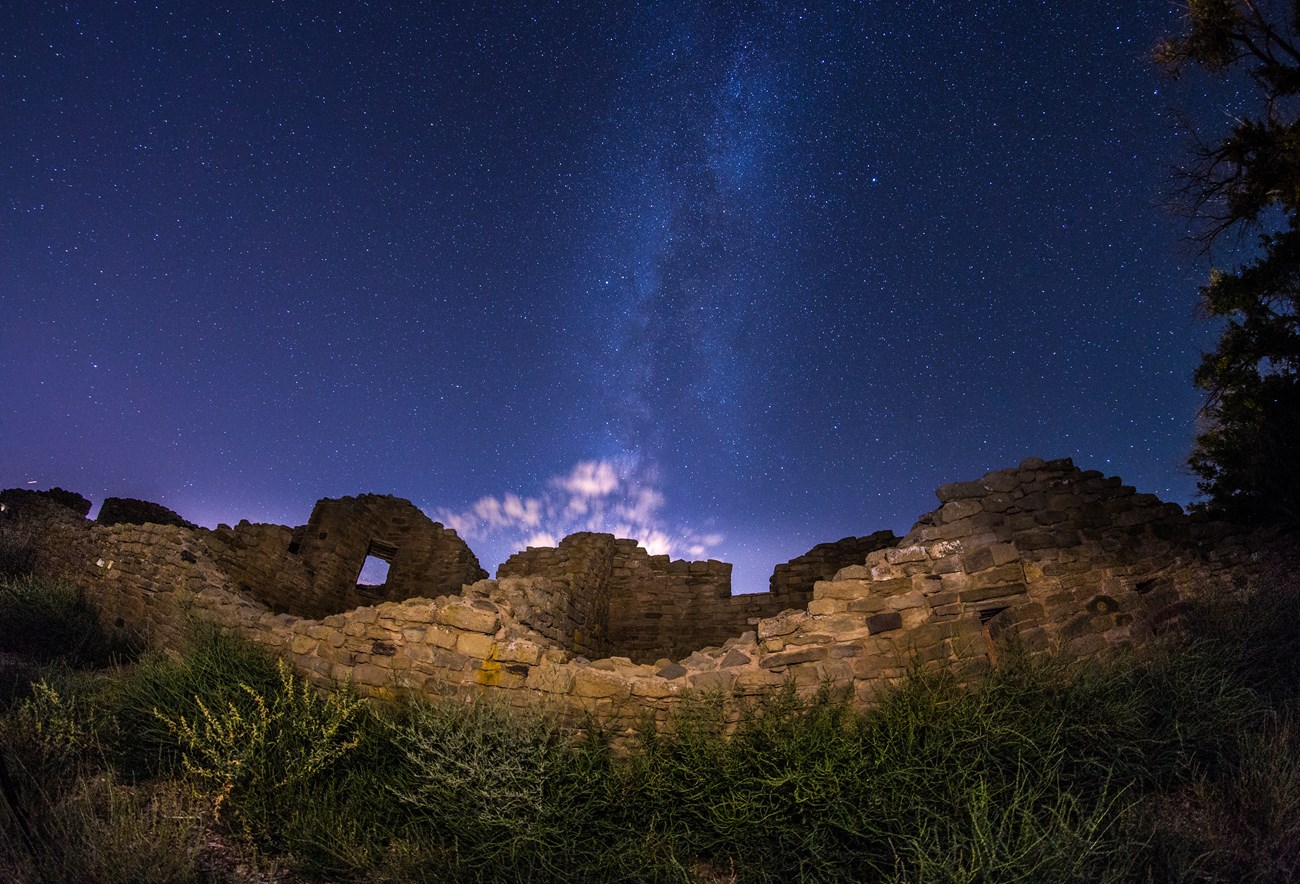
x: 374, y: 570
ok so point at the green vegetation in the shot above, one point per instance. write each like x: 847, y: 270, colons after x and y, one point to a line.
x: 223, y: 764
x: 1249, y: 180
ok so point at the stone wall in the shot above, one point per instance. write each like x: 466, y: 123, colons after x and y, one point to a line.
x: 312, y: 570
x: 1058, y: 559
x: 794, y: 580
x: 563, y: 591
x: 68, y: 499
x: 631, y: 603
x: 609, y: 596
x: 258, y: 559
x: 55, y: 531
x: 424, y: 558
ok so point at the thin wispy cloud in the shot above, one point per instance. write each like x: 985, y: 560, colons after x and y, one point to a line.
x: 610, y: 496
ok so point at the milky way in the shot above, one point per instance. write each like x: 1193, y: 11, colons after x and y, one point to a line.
x: 772, y: 271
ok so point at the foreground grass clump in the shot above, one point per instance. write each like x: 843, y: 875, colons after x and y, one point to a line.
x: 49, y: 620
x: 1182, y: 767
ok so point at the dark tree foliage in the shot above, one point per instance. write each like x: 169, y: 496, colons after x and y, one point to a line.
x: 1248, y: 457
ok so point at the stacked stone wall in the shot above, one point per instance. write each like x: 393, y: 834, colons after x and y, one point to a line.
x: 563, y: 591
x: 257, y: 558
x: 794, y: 580
x: 640, y: 606
x: 425, y: 558
x: 55, y: 533
x: 1060, y: 560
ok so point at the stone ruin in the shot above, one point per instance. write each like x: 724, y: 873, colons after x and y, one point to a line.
x: 1045, y: 556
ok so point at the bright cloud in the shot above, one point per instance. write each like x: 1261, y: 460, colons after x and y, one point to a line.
x: 591, y: 478
x: 609, y: 496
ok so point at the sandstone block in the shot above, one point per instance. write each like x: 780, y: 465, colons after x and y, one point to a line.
x: 927, y: 584
x: 841, y: 589
x: 959, y: 490
x: 551, y: 678
x: 756, y: 681
x: 419, y: 653
x: 596, y: 684
x: 887, y: 622
x: 1009, y: 573
x: 1001, y: 590
x: 782, y: 624
x: 672, y: 670
x: 519, y: 651
x: 441, y: 636
x: 1002, y: 553
x: 711, y: 681
x: 870, y: 605
x: 998, y: 503
x: 369, y: 674
x: 885, y: 571
x: 903, y: 601
x: 977, y: 560
x: 806, y: 654
x: 654, y: 688
x: 958, y: 510
x: 469, y: 618
x: 946, y: 565
x: 824, y: 606
x: 902, y: 554
x: 474, y: 644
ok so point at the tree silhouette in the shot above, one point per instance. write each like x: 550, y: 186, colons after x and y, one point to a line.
x: 1248, y: 455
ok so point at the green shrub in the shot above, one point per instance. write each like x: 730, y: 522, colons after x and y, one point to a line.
x: 501, y: 794
x: 1179, y: 767
x: 158, y: 689
x: 246, y: 752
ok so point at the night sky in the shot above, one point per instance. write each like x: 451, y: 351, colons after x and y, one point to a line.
x: 733, y: 279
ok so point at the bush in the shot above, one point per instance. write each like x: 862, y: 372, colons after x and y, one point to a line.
x: 246, y: 752
x: 1179, y: 768
x: 500, y: 794
x: 212, y: 671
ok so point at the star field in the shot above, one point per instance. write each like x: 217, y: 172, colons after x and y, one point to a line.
x: 739, y: 278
